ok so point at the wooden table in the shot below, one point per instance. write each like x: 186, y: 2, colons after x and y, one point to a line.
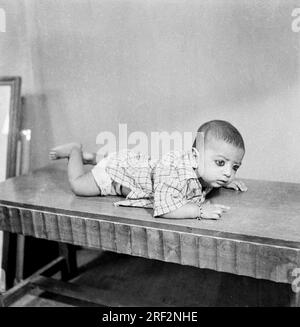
x: 258, y: 237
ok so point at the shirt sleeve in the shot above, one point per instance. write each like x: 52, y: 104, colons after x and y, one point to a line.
x: 169, y: 195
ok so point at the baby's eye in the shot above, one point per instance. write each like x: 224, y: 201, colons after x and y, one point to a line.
x: 220, y: 163
x: 235, y: 167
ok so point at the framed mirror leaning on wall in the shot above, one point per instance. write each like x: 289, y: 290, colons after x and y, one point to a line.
x: 10, y: 120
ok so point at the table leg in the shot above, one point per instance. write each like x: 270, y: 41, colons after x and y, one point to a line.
x: 20, y: 258
x: 69, y: 268
x: 295, y: 299
x: 8, y: 259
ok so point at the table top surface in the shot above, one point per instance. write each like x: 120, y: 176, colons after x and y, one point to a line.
x: 269, y: 212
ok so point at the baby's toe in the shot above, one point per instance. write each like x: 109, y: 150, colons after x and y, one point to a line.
x: 53, y: 155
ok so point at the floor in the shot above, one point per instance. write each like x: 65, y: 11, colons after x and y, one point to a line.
x: 162, y: 284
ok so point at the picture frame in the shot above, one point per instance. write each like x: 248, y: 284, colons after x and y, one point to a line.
x: 10, y: 124
x: 10, y: 119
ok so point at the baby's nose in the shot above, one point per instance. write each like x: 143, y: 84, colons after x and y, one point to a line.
x: 227, y: 172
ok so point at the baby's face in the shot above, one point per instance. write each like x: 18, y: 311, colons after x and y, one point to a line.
x: 221, y: 162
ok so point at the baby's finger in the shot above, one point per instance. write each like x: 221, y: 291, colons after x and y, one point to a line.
x: 235, y: 186
x: 243, y: 187
x: 211, y: 216
x: 52, y: 156
x: 218, y: 211
x: 223, y: 207
x: 232, y: 185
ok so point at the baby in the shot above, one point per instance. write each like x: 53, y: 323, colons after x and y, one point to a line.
x: 175, y: 186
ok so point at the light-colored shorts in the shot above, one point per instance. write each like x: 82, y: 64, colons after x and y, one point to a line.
x: 102, y: 179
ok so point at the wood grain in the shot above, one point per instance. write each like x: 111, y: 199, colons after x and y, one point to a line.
x: 139, y: 241
x: 155, y: 244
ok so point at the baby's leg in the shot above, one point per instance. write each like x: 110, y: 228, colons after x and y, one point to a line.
x: 82, y: 183
x: 64, y: 151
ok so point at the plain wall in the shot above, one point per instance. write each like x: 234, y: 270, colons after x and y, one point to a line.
x: 165, y: 65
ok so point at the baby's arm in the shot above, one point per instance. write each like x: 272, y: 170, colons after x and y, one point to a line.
x: 192, y: 210
x: 170, y: 195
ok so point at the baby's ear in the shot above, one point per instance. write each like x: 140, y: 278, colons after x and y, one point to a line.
x: 200, y: 147
x: 199, y: 141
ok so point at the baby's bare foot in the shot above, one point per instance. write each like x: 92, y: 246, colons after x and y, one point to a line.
x: 63, y: 151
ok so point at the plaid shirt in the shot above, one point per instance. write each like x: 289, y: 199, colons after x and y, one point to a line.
x: 164, y: 185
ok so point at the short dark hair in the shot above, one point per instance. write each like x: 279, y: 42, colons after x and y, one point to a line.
x: 221, y: 130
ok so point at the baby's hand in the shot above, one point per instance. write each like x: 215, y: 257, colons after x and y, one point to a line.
x: 212, y: 211
x: 237, y: 185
